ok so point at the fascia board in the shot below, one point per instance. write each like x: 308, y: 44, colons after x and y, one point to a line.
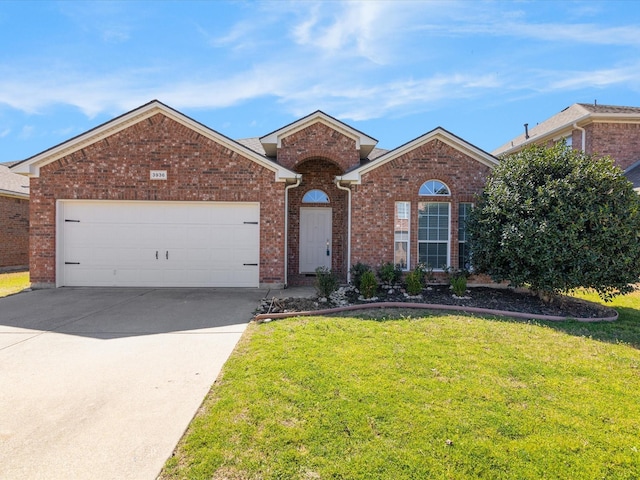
x: 548, y: 135
x: 31, y: 166
x: 9, y: 193
x: 437, y: 134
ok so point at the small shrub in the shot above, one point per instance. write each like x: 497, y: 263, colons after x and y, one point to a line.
x: 459, y: 285
x: 357, y: 271
x: 368, y: 284
x: 326, y: 281
x: 415, y: 281
x: 390, y: 273
x: 457, y: 280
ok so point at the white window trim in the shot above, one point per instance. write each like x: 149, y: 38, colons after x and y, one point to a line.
x: 448, y: 194
x: 448, y: 265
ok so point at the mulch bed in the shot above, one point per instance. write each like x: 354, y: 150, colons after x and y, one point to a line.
x: 504, y: 299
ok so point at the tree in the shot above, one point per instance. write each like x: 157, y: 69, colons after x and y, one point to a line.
x: 555, y: 219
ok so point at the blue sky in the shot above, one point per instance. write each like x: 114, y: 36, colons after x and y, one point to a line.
x: 394, y: 70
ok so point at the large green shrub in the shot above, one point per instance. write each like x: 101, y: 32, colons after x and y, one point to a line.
x: 557, y: 219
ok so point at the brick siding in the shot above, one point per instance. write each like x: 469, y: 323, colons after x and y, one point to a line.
x: 400, y: 180
x: 117, y: 168
x: 621, y: 141
x: 14, y: 232
x: 318, y: 140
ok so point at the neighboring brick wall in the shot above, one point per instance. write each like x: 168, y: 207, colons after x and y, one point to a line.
x: 621, y: 141
x: 117, y: 168
x: 318, y: 140
x: 14, y: 232
x: 318, y: 173
x: 400, y: 180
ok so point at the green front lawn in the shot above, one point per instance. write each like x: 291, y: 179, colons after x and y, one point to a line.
x: 434, y: 396
x: 11, y: 283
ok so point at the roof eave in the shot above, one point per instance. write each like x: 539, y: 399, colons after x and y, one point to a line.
x: 438, y: 133
x: 31, y: 166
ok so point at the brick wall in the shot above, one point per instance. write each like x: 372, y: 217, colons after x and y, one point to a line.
x: 117, y: 168
x: 318, y: 140
x: 14, y: 232
x: 400, y: 180
x: 621, y: 141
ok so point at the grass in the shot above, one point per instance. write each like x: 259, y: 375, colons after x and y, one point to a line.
x: 437, y: 396
x: 11, y: 283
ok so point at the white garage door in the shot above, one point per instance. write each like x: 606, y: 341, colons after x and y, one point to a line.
x: 164, y: 244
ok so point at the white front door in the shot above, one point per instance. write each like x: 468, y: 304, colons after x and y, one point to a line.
x: 315, y: 239
x: 163, y: 244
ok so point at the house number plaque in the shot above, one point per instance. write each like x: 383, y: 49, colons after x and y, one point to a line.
x: 158, y: 175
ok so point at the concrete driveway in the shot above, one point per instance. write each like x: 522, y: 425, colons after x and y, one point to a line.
x: 101, y: 383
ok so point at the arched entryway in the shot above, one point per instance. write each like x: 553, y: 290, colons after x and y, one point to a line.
x: 317, y: 222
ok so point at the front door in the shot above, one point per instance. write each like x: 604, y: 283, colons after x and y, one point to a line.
x: 315, y: 238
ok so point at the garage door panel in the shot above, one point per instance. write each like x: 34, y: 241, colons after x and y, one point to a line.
x: 197, y: 244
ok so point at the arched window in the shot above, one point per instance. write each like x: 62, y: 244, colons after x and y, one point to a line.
x: 434, y: 187
x: 315, y: 196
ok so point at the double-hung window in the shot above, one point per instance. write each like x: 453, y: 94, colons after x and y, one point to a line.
x: 434, y: 226
x: 401, y: 235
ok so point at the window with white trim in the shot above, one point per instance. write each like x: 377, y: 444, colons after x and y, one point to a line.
x: 401, y: 235
x: 464, y: 261
x: 433, y: 234
x: 433, y: 187
x: 315, y: 196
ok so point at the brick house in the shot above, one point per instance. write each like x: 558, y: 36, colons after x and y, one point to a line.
x: 596, y: 129
x: 154, y: 198
x: 14, y: 220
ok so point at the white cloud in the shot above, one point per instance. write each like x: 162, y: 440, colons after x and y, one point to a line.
x: 5, y: 132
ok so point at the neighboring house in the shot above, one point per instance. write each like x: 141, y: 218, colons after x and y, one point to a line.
x: 14, y: 220
x: 596, y: 129
x: 154, y: 198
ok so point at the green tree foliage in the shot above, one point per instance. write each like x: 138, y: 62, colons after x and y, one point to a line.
x: 556, y: 219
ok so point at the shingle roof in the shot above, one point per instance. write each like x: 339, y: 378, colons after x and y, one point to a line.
x: 633, y: 174
x: 564, y: 120
x: 12, y: 183
x: 609, y: 108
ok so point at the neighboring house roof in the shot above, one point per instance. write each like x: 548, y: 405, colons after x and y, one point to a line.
x: 11, y: 184
x: 272, y: 140
x: 633, y: 174
x: 31, y: 166
x: 562, y: 124
x: 438, y: 133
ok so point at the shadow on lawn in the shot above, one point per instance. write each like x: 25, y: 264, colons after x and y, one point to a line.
x: 624, y: 330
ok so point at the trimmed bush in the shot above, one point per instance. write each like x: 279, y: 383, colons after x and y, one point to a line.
x: 357, y: 271
x: 326, y: 281
x: 556, y: 219
x: 368, y: 284
x: 389, y: 273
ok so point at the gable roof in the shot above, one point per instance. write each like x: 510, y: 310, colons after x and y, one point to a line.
x: 11, y: 184
x: 562, y: 123
x: 31, y: 166
x: 272, y: 141
x: 438, y: 133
